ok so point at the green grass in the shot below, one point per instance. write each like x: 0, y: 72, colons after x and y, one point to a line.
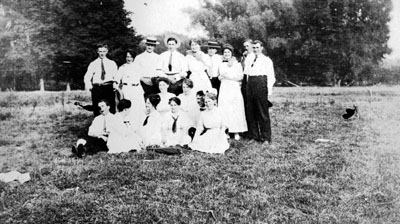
x: 356, y: 179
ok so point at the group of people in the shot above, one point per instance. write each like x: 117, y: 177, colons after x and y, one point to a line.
x: 196, y: 101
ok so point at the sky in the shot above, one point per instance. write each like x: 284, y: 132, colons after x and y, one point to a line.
x: 152, y: 17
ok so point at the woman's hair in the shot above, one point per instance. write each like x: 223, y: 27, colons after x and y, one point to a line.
x: 175, y: 99
x: 124, y: 104
x: 188, y: 82
x: 194, y: 41
x: 211, y: 96
x: 154, y: 100
x: 131, y: 52
x: 163, y: 79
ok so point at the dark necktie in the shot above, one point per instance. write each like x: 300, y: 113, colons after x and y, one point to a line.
x: 174, y: 124
x: 225, y: 61
x: 145, y: 121
x: 127, y: 123
x: 255, y: 58
x: 170, y: 63
x: 103, y: 71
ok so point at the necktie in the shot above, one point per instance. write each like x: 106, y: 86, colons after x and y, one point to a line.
x: 170, y: 63
x: 225, y: 61
x: 104, y: 125
x: 103, y: 72
x: 255, y: 58
x: 174, y: 124
x: 127, y: 123
x: 145, y: 121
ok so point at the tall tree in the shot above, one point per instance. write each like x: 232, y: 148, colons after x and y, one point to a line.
x: 310, y: 41
x: 66, y: 34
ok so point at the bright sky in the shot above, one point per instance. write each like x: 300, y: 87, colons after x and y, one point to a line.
x: 152, y: 17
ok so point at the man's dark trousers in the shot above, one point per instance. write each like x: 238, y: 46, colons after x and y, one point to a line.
x: 257, y: 111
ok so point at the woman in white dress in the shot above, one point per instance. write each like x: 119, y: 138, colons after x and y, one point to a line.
x: 163, y: 107
x: 176, y: 125
x: 151, y: 128
x: 189, y: 101
x: 230, y: 99
x: 130, y: 82
x: 198, y: 64
x: 123, y: 137
x: 210, y: 134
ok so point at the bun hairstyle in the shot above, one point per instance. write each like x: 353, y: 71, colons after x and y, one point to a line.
x: 228, y: 46
x: 175, y: 99
x: 154, y: 100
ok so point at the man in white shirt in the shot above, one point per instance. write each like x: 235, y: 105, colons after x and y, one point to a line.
x: 148, y: 64
x: 216, y: 59
x: 247, y: 58
x: 261, y: 78
x: 98, y: 132
x: 101, y: 79
x: 173, y: 65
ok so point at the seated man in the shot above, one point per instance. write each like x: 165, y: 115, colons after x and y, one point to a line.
x: 98, y: 132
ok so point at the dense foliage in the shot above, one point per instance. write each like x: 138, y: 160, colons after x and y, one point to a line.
x: 56, y: 39
x: 322, y: 42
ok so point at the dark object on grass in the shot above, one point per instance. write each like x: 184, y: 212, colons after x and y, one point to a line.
x: 87, y: 107
x: 350, y: 112
x: 269, y: 103
x: 78, y: 151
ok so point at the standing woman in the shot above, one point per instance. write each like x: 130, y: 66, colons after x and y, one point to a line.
x: 210, y: 134
x: 230, y: 99
x: 198, y: 64
x: 130, y: 82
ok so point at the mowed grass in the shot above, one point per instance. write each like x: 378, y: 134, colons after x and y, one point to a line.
x: 354, y: 179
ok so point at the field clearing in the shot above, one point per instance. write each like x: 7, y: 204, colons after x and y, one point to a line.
x: 355, y: 179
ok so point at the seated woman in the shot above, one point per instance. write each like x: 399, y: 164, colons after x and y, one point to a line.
x: 163, y: 107
x: 123, y: 137
x: 188, y: 100
x: 176, y: 125
x: 210, y: 134
x: 150, y: 131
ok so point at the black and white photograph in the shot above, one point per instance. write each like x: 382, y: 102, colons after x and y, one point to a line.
x: 199, y: 111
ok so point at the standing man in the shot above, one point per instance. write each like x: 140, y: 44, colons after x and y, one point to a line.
x: 216, y: 59
x: 101, y: 79
x: 247, y: 58
x: 173, y: 65
x: 261, y: 78
x: 148, y: 64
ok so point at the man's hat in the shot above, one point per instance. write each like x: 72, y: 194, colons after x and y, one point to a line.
x: 213, y: 44
x: 152, y: 40
x: 178, y: 44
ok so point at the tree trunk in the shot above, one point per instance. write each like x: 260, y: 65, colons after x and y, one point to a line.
x: 41, y: 85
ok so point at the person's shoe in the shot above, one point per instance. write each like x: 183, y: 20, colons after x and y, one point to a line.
x: 73, y: 150
x: 237, y: 137
x: 80, y: 151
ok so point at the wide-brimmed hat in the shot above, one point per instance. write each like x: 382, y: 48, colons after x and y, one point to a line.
x: 213, y: 44
x: 169, y: 36
x: 151, y: 40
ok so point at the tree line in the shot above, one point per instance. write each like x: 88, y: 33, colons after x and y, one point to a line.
x: 315, y: 42
x: 312, y: 42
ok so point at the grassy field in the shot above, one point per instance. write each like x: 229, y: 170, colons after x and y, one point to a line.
x: 354, y: 179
